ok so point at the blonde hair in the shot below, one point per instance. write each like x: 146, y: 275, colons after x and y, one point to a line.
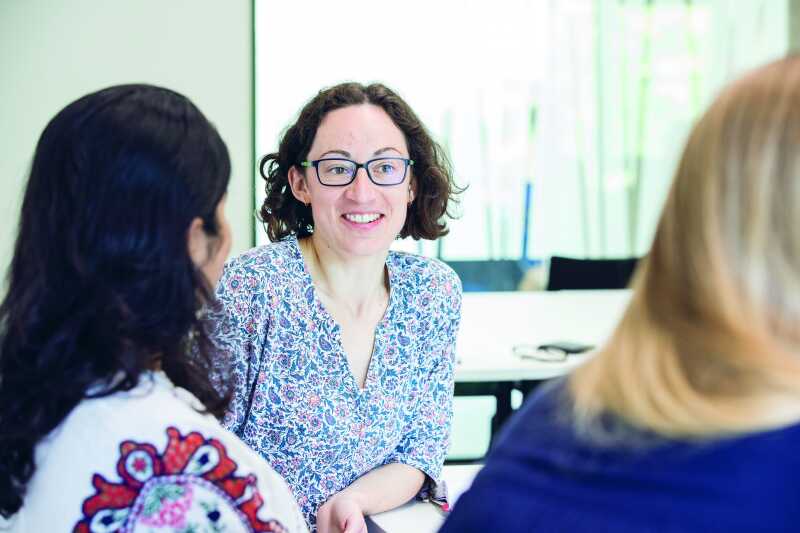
x: 709, y: 343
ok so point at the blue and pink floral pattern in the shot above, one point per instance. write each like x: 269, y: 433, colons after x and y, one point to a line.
x: 296, y: 400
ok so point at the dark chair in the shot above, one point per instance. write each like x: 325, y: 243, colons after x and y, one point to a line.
x: 571, y: 273
x: 489, y: 275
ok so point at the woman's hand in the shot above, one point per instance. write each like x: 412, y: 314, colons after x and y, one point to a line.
x: 341, y: 514
x: 381, y: 489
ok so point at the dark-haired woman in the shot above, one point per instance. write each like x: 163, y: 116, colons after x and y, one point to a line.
x: 344, y: 350
x: 105, y: 401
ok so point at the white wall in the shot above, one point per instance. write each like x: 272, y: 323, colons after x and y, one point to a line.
x: 54, y: 51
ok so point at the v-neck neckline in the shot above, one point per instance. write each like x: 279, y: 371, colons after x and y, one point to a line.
x: 336, y: 328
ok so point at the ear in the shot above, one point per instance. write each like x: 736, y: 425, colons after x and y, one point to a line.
x: 197, y: 242
x: 299, y: 185
x: 412, y: 191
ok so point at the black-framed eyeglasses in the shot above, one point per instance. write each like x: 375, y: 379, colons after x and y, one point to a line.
x: 338, y: 171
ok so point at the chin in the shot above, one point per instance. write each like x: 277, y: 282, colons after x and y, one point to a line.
x: 367, y: 246
x: 367, y: 249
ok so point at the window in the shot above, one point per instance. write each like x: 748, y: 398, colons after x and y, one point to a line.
x: 565, y: 118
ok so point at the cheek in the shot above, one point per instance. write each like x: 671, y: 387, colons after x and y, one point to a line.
x: 400, y: 201
x: 225, y: 249
x: 399, y: 211
x: 228, y: 241
x: 219, y: 256
x: 325, y: 203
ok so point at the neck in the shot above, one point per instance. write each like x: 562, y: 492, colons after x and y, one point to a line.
x: 156, y: 364
x: 353, y: 281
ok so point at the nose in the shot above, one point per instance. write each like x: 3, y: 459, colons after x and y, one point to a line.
x: 361, y: 189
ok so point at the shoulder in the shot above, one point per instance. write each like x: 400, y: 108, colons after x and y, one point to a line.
x: 151, y: 445
x: 545, y: 431
x: 541, y: 450
x: 420, y: 273
x: 145, y: 410
x: 258, y: 268
x: 543, y: 416
x: 276, y: 256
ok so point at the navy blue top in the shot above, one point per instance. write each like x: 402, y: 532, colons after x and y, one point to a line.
x: 541, y: 476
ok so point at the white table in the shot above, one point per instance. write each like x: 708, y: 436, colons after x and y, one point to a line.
x: 492, y: 323
x: 424, y: 517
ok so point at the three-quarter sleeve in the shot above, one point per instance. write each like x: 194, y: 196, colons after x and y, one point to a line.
x: 426, y: 439
x: 240, y: 323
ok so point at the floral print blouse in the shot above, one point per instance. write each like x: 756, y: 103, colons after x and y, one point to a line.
x: 296, y: 400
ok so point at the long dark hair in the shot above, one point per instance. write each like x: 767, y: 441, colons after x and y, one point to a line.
x: 101, y: 287
x: 282, y: 214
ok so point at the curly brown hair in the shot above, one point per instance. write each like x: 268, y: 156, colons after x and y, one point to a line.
x: 282, y: 214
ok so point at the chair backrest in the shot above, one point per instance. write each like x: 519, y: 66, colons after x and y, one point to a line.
x: 489, y: 275
x: 572, y: 273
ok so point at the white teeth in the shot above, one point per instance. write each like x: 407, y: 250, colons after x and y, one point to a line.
x: 362, y: 218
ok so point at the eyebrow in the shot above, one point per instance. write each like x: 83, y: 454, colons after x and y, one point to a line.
x: 386, y: 149
x: 347, y: 154
x: 335, y: 152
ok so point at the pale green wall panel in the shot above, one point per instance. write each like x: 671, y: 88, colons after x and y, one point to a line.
x: 52, y: 52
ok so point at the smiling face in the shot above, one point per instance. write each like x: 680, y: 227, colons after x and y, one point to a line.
x: 359, y: 219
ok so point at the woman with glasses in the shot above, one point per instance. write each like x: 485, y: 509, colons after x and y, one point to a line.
x: 105, y: 399
x: 689, y: 418
x: 344, y: 350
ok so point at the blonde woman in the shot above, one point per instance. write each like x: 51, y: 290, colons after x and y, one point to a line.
x: 689, y: 418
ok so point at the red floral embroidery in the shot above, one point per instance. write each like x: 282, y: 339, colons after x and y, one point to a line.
x: 167, y: 490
